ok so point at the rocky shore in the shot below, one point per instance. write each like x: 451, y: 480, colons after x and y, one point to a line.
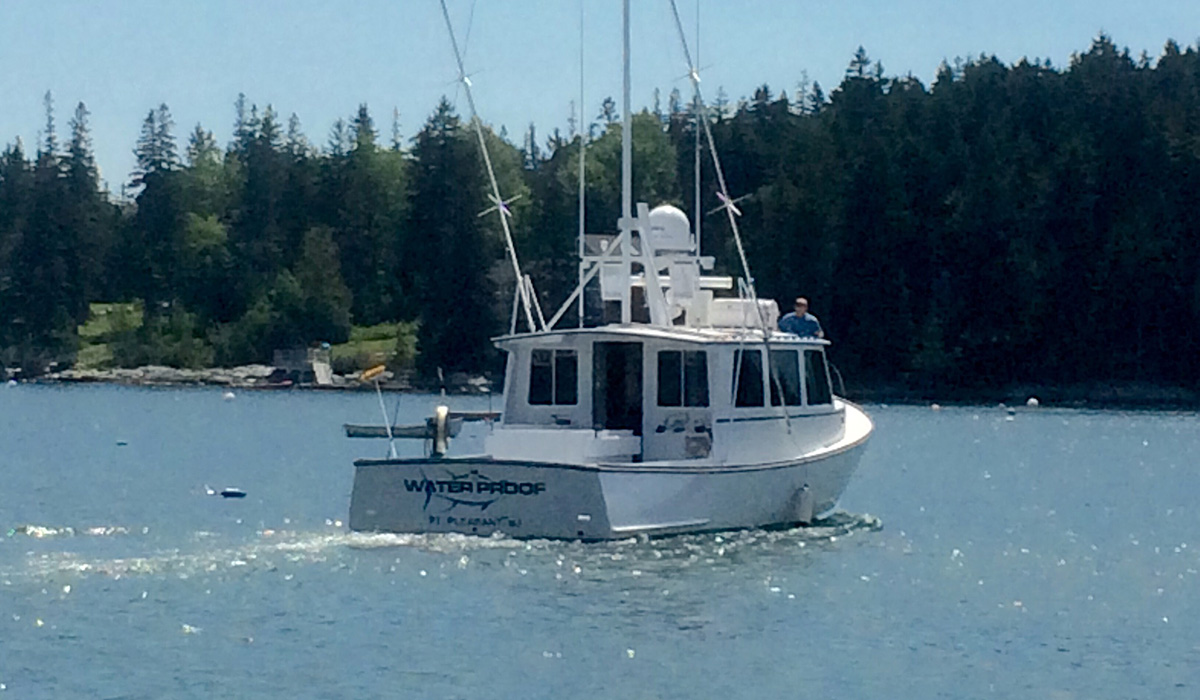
x: 247, y: 376
x: 258, y: 377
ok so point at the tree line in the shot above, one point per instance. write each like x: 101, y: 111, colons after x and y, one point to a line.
x: 1005, y: 224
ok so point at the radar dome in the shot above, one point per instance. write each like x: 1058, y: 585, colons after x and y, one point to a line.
x: 669, y: 228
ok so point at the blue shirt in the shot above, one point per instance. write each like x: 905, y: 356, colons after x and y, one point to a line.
x: 803, y: 326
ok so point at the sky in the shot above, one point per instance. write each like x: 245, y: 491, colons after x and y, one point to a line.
x: 320, y: 59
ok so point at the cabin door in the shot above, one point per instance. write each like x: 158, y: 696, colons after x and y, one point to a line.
x: 678, y: 417
x: 617, y: 386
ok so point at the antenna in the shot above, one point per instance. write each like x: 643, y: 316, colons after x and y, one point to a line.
x: 495, y: 197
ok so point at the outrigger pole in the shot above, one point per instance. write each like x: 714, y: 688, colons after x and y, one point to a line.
x: 727, y: 202
x: 498, y: 202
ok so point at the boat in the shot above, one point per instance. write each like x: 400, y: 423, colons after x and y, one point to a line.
x: 679, y: 408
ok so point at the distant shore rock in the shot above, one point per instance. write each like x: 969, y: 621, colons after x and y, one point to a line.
x: 257, y: 377
x: 153, y: 375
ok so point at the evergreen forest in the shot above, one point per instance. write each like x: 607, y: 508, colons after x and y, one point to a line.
x: 1007, y: 224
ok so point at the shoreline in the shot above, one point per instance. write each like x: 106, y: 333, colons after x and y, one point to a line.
x: 1100, y: 395
x: 256, y: 377
x: 1110, y: 395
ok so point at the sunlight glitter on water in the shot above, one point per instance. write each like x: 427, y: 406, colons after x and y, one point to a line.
x: 264, y: 552
x: 43, y: 532
x: 203, y: 553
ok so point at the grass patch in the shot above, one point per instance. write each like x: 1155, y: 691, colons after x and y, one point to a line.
x: 105, y: 319
x: 104, y: 322
x: 393, y: 344
x: 383, y: 331
x: 94, y: 356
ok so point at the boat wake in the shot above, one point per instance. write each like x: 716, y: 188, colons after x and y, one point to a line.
x: 838, y: 524
x: 43, y: 532
x: 448, y: 542
x: 201, y: 553
x: 273, y: 550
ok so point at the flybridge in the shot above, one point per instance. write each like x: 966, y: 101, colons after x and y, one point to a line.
x: 656, y: 255
x: 652, y: 269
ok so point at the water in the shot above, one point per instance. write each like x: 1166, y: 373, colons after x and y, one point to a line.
x: 1048, y: 553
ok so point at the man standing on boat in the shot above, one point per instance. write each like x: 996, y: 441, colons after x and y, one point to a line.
x: 800, y: 322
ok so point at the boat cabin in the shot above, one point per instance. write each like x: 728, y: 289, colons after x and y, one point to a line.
x: 665, y: 371
x: 648, y: 394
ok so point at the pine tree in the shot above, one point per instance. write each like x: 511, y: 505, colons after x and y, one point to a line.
x: 340, y: 139
x: 50, y: 137
x: 362, y: 129
x: 166, y: 149
x: 44, y: 286
x: 860, y: 65
x: 397, y: 142
x: 608, y: 111
x: 87, y: 215
x: 457, y: 316
x: 325, y: 298
x: 369, y: 197
x: 16, y: 198
x: 202, y: 148
x: 295, y: 142
x: 156, y: 151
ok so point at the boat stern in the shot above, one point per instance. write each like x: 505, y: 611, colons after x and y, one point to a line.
x: 478, y: 496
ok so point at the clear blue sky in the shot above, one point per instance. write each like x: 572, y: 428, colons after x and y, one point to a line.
x: 320, y: 58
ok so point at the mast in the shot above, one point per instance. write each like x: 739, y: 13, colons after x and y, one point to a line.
x: 699, y: 207
x: 583, y: 136
x: 614, y: 264
x: 626, y: 181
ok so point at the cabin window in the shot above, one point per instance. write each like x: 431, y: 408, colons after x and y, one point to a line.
x: 553, y: 378
x: 566, y: 377
x: 682, y: 378
x: 695, y: 378
x: 816, y: 378
x: 670, y: 378
x: 785, y: 377
x: 747, y: 378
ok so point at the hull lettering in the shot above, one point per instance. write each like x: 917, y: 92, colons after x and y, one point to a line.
x: 507, y: 488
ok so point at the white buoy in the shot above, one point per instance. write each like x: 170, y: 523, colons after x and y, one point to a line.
x: 228, y: 396
x: 935, y: 406
x: 1032, y: 402
x: 227, y: 492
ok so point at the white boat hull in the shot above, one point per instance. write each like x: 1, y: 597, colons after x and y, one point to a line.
x: 481, y: 495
